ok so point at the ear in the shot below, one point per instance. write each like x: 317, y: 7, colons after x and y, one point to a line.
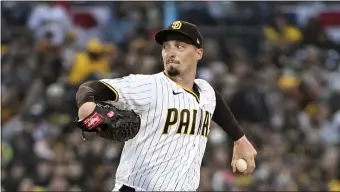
x: 199, y: 54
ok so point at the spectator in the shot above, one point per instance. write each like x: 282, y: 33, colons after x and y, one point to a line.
x: 280, y: 32
x: 314, y: 34
x: 50, y: 18
x: 91, y: 62
x: 248, y: 104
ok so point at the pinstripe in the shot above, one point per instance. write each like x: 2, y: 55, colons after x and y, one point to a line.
x: 139, y: 105
x: 160, y: 116
x: 140, y: 110
x: 199, y: 138
x: 200, y: 123
x: 194, y: 175
x: 139, y: 80
x: 157, y: 130
x: 193, y: 162
x: 172, y: 140
x: 199, y: 148
x: 147, y: 120
x: 185, y: 175
x: 137, y: 99
x: 180, y: 137
x: 146, y: 127
x: 131, y: 93
x: 169, y: 92
x: 189, y: 106
x: 128, y: 86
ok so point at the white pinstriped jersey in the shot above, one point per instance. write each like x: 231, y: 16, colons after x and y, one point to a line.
x: 167, y: 152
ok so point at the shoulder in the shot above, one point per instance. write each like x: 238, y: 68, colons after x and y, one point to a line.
x: 132, y: 80
x: 147, y: 77
x: 207, y: 95
x: 140, y: 78
x: 203, y: 84
x: 137, y: 76
x: 205, y: 88
x: 133, y: 77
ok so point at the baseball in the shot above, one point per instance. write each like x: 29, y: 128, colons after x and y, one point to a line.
x: 241, y: 165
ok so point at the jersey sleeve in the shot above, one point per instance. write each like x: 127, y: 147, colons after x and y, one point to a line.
x: 132, y: 92
x: 208, y: 92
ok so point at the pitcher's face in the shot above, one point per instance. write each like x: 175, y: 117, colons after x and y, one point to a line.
x: 179, y: 57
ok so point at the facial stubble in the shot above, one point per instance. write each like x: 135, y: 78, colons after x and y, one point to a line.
x: 172, y: 71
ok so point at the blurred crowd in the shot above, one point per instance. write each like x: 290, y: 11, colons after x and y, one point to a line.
x: 285, y: 94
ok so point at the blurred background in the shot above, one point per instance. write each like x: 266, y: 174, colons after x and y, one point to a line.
x: 276, y: 64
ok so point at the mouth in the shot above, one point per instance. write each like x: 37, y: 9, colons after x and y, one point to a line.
x: 170, y: 61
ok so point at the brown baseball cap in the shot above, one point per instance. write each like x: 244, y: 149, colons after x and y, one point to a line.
x: 184, y: 28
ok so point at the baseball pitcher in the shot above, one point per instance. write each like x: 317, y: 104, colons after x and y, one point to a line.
x: 164, y: 118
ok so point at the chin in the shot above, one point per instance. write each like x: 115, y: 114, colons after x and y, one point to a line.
x: 173, y: 71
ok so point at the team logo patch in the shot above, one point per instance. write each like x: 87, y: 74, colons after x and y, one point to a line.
x: 93, y: 121
x: 176, y: 25
x: 110, y: 114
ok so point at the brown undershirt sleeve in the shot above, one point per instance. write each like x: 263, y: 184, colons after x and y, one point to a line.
x: 225, y: 119
x: 93, y: 91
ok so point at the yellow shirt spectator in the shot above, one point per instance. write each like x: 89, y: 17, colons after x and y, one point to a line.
x: 289, y: 34
x: 334, y: 185
x: 4, y: 49
x: 84, y: 65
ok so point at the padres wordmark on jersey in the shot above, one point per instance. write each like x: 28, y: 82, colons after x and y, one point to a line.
x: 167, y: 152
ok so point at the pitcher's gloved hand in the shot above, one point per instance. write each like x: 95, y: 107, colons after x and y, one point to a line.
x: 110, y: 123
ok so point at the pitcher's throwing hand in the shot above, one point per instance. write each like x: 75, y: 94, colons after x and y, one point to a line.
x: 243, y: 149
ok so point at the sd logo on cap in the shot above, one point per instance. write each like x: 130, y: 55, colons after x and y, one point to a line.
x: 176, y: 25
x: 188, y: 30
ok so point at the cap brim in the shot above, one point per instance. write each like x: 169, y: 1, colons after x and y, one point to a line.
x: 160, y: 37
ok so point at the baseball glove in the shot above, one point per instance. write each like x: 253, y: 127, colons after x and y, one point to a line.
x: 110, y: 123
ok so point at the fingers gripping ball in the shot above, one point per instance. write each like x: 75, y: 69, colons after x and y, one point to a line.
x: 111, y: 123
x: 241, y: 165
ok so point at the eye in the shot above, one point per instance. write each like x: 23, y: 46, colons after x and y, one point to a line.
x: 180, y: 46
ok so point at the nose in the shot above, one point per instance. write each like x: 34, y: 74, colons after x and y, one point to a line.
x: 171, y: 53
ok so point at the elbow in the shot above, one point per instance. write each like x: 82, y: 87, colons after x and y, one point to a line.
x: 85, y: 84
x: 85, y: 93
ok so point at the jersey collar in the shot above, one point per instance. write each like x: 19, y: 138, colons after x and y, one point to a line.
x: 194, y: 92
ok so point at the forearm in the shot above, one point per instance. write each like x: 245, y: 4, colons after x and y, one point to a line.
x: 226, y: 120
x: 87, y: 95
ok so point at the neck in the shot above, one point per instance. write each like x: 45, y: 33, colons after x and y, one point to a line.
x: 186, y: 80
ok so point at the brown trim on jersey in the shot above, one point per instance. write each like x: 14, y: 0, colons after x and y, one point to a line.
x: 112, y: 89
x: 193, y: 92
x: 196, y: 92
x: 93, y: 91
x: 125, y: 188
